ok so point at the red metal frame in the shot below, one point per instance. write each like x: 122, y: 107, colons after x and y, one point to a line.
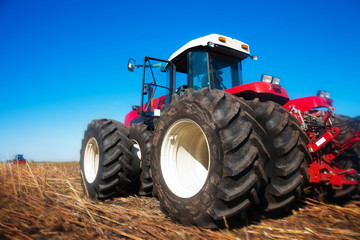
x: 323, y: 169
x: 324, y: 115
x: 314, y: 146
x: 323, y: 172
x: 351, y: 140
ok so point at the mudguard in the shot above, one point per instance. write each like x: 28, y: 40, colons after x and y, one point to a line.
x: 261, y: 90
x: 134, y: 115
x: 308, y: 103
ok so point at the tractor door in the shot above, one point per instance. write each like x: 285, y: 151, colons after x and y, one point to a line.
x: 158, y: 86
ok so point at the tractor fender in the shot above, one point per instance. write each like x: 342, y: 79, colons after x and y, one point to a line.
x: 134, y: 115
x: 130, y: 117
x: 308, y: 103
x: 261, y: 90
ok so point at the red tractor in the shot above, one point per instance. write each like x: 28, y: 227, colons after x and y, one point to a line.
x: 211, y: 148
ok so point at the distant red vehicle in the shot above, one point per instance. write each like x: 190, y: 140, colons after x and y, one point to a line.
x: 19, y: 158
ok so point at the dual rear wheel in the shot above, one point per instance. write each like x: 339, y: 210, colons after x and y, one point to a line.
x: 217, y: 157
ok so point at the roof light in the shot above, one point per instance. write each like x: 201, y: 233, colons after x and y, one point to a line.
x: 222, y: 39
x: 270, y: 79
x: 245, y: 47
x: 266, y: 78
x: 211, y: 44
x: 275, y: 80
x: 323, y: 94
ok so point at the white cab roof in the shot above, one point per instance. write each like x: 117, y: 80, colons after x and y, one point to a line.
x: 215, y: 39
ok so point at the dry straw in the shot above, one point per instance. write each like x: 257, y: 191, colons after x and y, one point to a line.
x: 46, y: 201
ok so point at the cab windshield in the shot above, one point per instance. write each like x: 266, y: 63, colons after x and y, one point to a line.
x: 213, y: 70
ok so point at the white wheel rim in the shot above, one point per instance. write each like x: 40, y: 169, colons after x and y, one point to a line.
x: 91, y: 160
x: 185, y: 158
x: 135, y: 149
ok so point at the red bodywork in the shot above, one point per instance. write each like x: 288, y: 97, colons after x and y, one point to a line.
x: 134, y: 114
x: 322, y: 169
x: 260, y: 88
x: 253, y: 88
x: 19, y: 161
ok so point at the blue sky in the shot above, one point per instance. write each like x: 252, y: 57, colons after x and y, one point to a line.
x: 63, y: 63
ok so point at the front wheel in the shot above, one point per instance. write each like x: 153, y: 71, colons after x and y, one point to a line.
x: 107, y: 166
x: 207, y: 162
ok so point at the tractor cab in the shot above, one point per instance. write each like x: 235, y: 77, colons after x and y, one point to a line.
x: 212, y: 61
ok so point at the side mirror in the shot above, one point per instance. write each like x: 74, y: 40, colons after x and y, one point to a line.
x: 131, y: 65
x: 163, y: 68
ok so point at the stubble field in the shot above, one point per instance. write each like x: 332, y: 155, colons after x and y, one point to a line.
x: 46, y: 201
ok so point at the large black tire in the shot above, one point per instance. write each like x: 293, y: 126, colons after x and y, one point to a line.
x: 286, y: 143
x: 207, y: 159
x: 350, y: 159
x: 141, y: 135
x: 107, y: 166
x: 348, y: 126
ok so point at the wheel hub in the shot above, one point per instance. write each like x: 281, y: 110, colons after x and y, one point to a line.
x: 91, y: 160
x: 185, y: 158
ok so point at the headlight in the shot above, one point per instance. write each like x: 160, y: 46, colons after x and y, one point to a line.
x: 275, y: 80
x: 323, y: 94
x: 270, y: 79
x: 266, y: 78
